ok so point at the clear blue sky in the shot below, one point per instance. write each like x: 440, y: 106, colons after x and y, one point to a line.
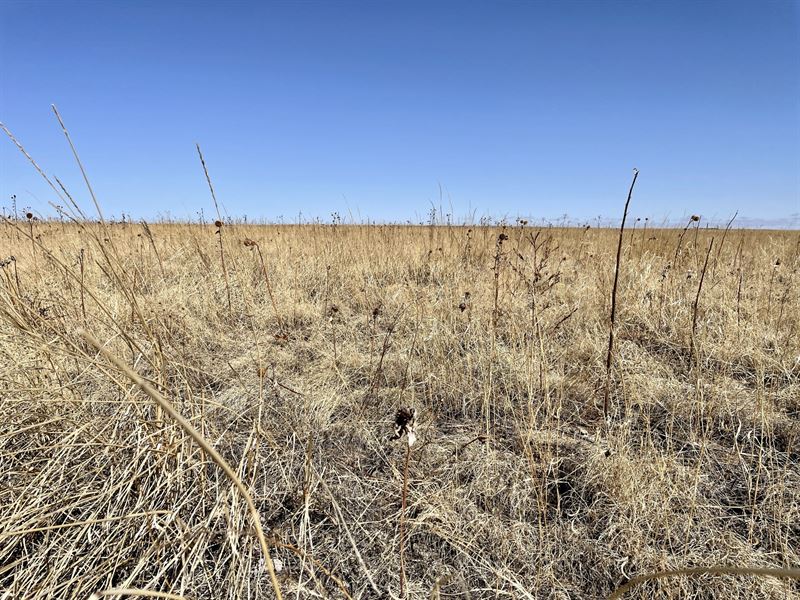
x: 516, y: 108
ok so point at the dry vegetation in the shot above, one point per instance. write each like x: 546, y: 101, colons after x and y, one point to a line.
x: 293, y: 362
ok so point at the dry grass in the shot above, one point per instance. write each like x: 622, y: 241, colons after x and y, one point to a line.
x: 517, y: 488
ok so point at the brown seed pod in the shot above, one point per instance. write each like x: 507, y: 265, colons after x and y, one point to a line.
x: 218, y: 224
x: 405, y: 423
x: 249, y: 243
x: 695, y: 218
x: 29, y: 215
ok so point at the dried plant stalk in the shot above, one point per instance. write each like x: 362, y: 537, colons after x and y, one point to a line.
x: 609, y: 355
x: 218, y: 223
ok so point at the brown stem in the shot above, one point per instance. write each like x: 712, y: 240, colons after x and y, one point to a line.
x: 614, y: 299
x: 219, y: 229
x: 83, y: 300
x: 697, y: 301
x: 269, y: 288
x: 224, y: 270
x: 402, y: 525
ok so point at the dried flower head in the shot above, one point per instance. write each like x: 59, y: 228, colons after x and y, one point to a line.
x: 249, y: 243
x: 218, y: 224
x: 695, y: 218
x: 502, y: 238
x: 405, y: 423
x: 29, y: 215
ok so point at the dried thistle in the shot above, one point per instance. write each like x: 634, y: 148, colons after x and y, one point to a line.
x: 405, y: 423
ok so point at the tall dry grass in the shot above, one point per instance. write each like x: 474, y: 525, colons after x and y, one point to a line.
x: 516, y: 486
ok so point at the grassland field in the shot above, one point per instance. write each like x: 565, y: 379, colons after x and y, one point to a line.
x: 290, y: 349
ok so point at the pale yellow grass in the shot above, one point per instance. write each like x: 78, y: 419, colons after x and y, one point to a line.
x: 517, y: 486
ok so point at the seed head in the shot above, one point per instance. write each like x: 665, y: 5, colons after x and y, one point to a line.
x: 218, y: 224
x: 405, y: 423
x: 249, y: 243
x: 695, y: 218
x: 29, y: 216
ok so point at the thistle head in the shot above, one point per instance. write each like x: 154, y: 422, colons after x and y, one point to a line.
x: 405, y: 423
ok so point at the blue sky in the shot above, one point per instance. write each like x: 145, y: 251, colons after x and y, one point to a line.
x: 516, y: 108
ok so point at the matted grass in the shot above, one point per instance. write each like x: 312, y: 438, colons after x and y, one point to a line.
x: 518, y: 488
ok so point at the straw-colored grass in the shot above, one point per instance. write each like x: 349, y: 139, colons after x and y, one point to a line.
x: 517, y: 487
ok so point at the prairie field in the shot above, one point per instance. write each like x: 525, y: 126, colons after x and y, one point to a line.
x: 536, y: 472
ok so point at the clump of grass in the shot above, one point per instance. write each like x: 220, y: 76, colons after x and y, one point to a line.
x: 249, y: 243
x: 167, y: 407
